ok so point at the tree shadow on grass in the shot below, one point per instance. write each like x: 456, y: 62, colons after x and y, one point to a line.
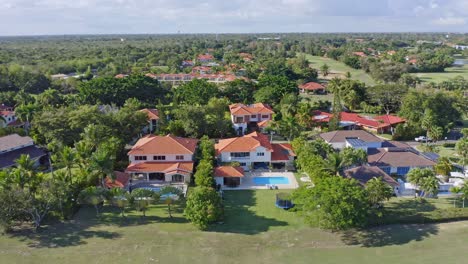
x: 389, y: 235
x: 62, y: 234
x: 402, y: 222
x: 239, y: 218
x: 56, y: 234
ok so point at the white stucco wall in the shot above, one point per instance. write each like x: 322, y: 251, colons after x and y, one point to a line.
x: 169, y: 158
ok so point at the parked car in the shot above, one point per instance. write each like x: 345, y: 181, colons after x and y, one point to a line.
x: 423, y: 139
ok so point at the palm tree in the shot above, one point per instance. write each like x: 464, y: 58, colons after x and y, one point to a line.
x: 93, y: 196
x: 119, y: 198
x: 462, y: 149
x: 325, y: 69
x: 444, y: 167
x: 66, y: 158
x: 425, y: 180
x: 103, y: 163
x: 142, y: 198
x: 25, y: 171
x: 334, y: 163
x: 170, y: 194
x: 456, y: 191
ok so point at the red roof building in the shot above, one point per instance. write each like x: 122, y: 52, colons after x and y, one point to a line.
x: 379, y: 124
x: 245, y: 115
x: 312, y: 87
x: 205, y: 58
x: 162, y: 158
x: 254, y: 150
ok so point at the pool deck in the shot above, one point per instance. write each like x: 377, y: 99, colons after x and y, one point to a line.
x: 248, y: 182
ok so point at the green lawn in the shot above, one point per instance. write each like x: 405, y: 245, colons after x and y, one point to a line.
x: 339, y: 69
x: 254, y: 231
x: 449, y: 73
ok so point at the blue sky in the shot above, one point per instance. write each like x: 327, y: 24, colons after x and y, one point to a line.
x: 38, y: 17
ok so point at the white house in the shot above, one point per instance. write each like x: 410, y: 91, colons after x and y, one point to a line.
x: 254, y: 151
x: 244, y: 116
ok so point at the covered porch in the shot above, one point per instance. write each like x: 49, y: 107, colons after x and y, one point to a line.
x: 160, y: 172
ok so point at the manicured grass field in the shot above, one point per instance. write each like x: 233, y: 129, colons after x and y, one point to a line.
x: 254, y: 231
x: 339, y: 69
x: 449, y: 73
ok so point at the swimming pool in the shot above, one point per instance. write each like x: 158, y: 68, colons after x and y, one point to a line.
x: 270, y: 180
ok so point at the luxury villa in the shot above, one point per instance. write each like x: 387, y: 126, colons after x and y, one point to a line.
x: 244, y: 117
x: 162, y: 159
x: 254, y: 151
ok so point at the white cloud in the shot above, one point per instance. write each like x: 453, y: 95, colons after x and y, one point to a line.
x: 168, y: 16
x: 450, y: 21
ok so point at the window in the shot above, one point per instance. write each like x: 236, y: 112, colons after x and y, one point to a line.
x: 386, y: 170
x: 239, y: 119
x: 242, y: 164
x: 140, y: 157
x: 403, y: 170
x: 253, y: 116
x: 260, y: 154
x: 265, y: 116
x: 159, y: 157
x: 179, y: 157
x: 240, y: 154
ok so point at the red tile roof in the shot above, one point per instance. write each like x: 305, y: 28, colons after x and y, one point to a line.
x: 121, y: 180
x: 359, y: 53
x: 311, y: 86
x: 282, y: 152
x: 264, y: 123
x: 257, y: 108
x: 229, y: 171
x: 205, y: 57
x: 375, y: 122
x: 390, y: 119
x: 155, y: 145
x: 153, y: 114
x: 164, y: 167
x: 246, y: 143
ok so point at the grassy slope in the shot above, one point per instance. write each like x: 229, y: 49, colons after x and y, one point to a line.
x: 443, y: 76
x: 254, y: 231
x: 339, y: 67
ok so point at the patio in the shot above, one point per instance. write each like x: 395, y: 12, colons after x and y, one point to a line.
x: 248, y: 182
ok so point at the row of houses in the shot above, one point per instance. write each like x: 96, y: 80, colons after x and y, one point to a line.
x: 378, y: 124
x: 180, y: 78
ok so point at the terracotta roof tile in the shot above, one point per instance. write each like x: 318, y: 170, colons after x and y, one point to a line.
x: 229, y: 171
x: 153, y: 114
x: 121, y: 180
x: 169, y: 144
x: 246, y: 143
x: 311, y: 86
x: 165, y: 167
x: 258, y: 108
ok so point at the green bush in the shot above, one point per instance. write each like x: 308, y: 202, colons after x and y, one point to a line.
x: 448, y: 145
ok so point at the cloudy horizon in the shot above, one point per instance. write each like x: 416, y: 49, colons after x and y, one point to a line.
x: 57, y: 17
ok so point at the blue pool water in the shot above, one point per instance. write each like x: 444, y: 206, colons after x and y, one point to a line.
x: 270, y: 180
x: 154, y: 189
